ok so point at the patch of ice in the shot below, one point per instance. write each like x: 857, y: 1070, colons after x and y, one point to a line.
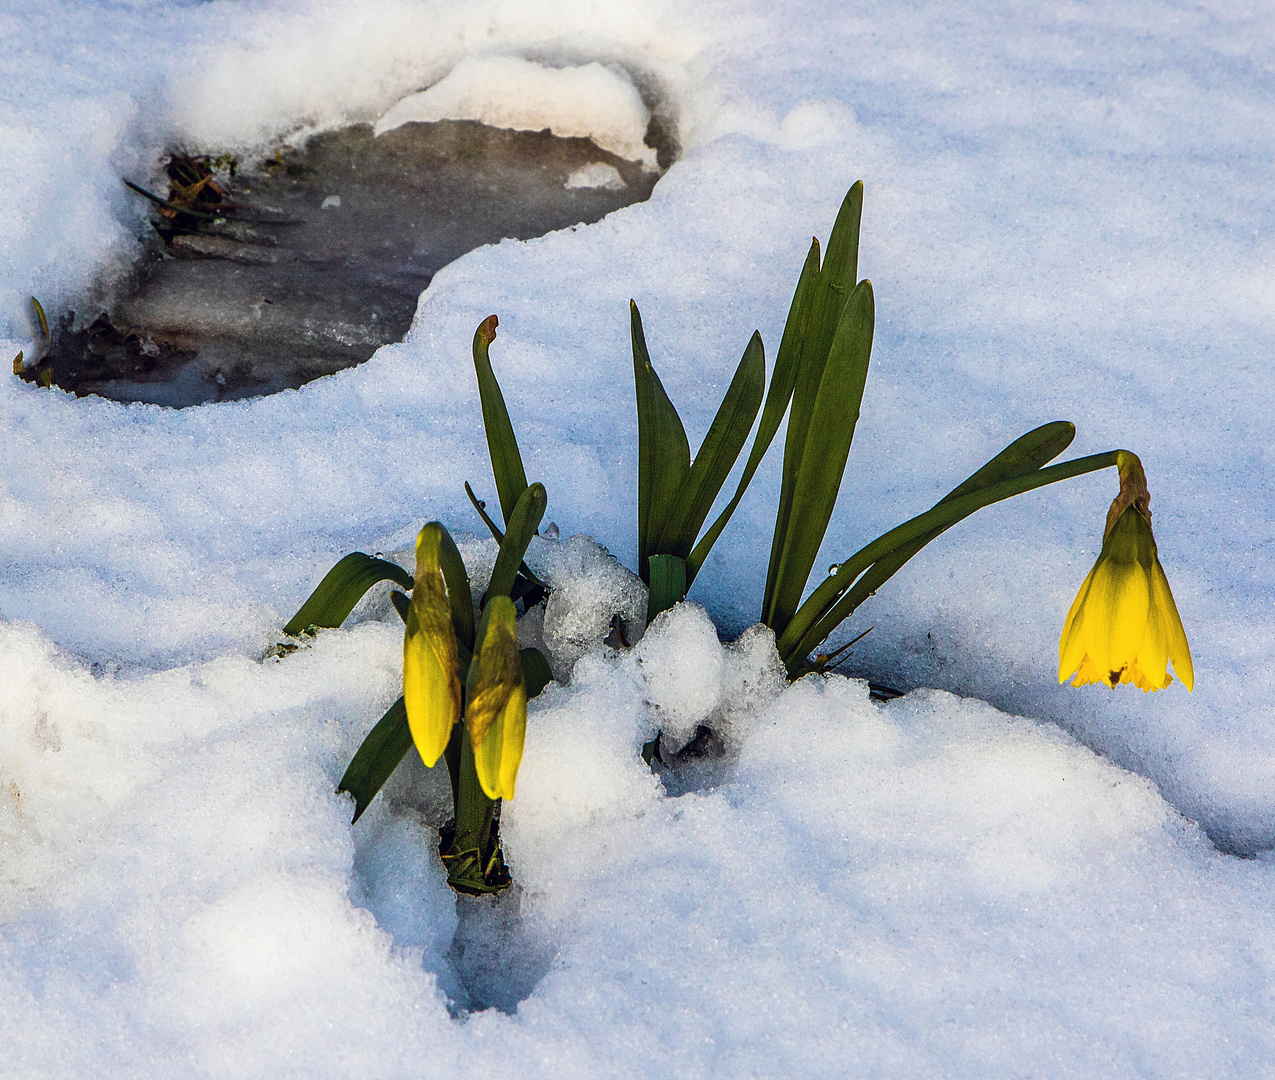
x: 597, y: 174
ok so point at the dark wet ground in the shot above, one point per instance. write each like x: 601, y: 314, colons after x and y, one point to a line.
x: 284, y: 290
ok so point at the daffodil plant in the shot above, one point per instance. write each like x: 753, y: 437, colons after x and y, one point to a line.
x: 466, y: 682
x: 465, y: 686
x: 821, y: 370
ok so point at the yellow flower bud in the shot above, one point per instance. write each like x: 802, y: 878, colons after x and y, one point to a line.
x: 431, y: 678
x: 496, y: 715
x: 1123, y: 626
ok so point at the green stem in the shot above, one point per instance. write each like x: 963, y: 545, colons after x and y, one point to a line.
x: 474, y: 811
x: 829, y: 605
x: 452, y: 756
x: 668, y: 584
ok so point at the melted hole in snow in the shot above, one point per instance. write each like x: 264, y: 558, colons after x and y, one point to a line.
x: 324, y: 254
x: 495, y: 957
x: 483, y: 952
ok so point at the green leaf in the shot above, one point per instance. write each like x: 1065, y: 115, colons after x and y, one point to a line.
x: 499, y: 536
x: 717, y: 454
x: 832, y: 290
x: 782, y: 380
x: 924, y: 526
x: 664, y: 455
x: 837, y: 278
x: 668, y: 584
x: 524, y: 519
x: 506, y: 461
x: 818, y: 479
x: 1024, y: 455
x: 379, y: 755
x: 342, y: 588
x: 535, y: 671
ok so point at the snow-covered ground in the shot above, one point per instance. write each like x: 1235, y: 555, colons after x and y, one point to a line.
x: 1067, y: 216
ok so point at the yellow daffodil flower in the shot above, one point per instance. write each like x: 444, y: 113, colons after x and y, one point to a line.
x: 431, y: 678
x: 496, y: 715
x: 1123, y: 626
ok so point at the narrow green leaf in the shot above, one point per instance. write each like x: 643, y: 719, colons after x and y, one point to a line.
x: 937, y: 519
x: 717, y: 454
x: 664, y: 455
x: 480, y: 505
x: 668, y: 584
x: 506, y: 461
x: 837, y: 278
x: 499, y: 536
x: 524, y: 519
x: 832, y: 291
x: 402, y: 604
x: 832, y: 424
x: 1024, y: 455
x: 535, y: 671
x: 342, y: 588
x: 379, y: 755
x: 782, y: 380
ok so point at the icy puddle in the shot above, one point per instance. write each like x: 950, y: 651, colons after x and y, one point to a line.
x: 308, y: 262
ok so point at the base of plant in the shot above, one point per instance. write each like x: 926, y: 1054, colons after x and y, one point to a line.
x: 471, y: 871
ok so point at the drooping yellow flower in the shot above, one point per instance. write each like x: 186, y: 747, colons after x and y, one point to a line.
x: 496, y: 715
x: 1123, y: 626
x: 431, y: 676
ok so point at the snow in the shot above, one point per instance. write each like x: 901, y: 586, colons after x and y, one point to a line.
x: 588, y: 101
x: 1065, y: 217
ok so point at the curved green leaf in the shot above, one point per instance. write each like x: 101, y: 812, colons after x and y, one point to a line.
x: 535, y: 671
x: 1024, y: 455
x: 378, y: 756
x: 499, y: 537
x: 506, y: 461
x: 342, y: 588
x: 940, y: 517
